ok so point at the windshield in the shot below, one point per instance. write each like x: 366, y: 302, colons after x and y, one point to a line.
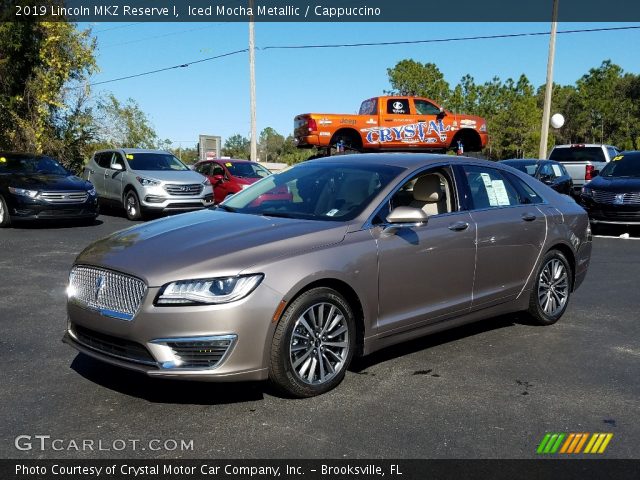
x: 525, y: 167
x: 30, y: 165
x: 247, y: 170
x: 622, y: 166
x: 578, y: 154
x: 315, y: 191
x: 155, y: 162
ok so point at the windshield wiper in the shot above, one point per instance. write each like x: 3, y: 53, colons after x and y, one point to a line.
x: 225, y: 208
x: 276, y: 214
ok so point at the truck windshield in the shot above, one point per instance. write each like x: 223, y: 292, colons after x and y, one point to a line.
x: 622, y: 166
x: 578, y: 154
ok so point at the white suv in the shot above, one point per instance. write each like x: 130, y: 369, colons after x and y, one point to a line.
x: 147, y: 180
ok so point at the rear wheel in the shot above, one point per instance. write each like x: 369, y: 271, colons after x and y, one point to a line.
x: 313, y: 343
x: 132, y: 206
x: 348, y: 142
x: 5, y: 219
x: 551, y: 292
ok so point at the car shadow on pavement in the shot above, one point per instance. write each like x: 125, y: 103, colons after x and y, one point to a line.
x: 50, y: 224
x: 160, y: 390
x: 360, y: 364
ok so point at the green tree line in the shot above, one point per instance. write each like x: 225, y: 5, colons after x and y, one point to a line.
x: 603, y: 106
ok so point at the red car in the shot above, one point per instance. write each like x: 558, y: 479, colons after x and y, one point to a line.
x: 229, y: 176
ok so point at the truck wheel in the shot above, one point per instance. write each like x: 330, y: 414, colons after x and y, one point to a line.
x: 350, y: 141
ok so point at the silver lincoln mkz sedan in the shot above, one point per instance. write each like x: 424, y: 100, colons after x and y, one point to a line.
x: 367, y: 251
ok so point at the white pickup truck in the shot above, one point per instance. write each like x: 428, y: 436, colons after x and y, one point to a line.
x: 583, y: 161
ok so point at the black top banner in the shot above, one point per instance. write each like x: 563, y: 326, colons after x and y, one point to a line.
x: 459, y: 11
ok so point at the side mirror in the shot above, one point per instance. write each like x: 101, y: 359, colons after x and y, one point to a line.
x: 117, y: 166
x: 442, y: 113
x: 595, y: 173
x: 218, y: 178
x: 406, y: 217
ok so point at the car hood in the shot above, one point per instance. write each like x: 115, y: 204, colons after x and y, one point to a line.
x: 186, y: 176
x: 617, y: 185
x: 46, y: 182
x: 205, y: 243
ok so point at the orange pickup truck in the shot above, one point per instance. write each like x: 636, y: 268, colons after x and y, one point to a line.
x: 392, y: 123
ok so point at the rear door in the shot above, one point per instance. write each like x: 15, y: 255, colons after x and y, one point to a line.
x: 511, y: 232
x: 96, y: 169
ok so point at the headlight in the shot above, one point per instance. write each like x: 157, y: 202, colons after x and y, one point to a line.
x: 208, y: 291
x: 147, y: 182
x: 587, y: 192
x: 23, y: 192
x: 206, y: 181
x: 92, y: 191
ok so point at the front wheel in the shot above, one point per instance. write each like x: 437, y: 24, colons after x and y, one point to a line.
x: 132, y: 206
x: 5, y: 219
x: 313, y: 343
x: 551, y: 292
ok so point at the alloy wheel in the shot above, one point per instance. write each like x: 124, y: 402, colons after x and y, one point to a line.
x: 132, y: 205
x: 553, y: 287
x: 319, y: 344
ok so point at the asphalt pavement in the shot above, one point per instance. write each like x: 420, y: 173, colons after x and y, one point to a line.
x: 487, y: 390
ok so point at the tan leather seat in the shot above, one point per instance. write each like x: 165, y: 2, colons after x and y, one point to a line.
x: 427, y: 194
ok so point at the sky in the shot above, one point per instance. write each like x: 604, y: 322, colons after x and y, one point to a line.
x: 213, y: 97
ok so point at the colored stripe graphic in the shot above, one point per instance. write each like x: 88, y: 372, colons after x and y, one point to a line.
x: 572, y: 443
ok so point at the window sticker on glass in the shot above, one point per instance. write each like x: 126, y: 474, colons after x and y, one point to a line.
x: 488, y: 185
x: 619, y: 157
x: 129, y: 156
x: 228, y: 164
x: 3, y: 160
x: 332, y: 212
x: 500, y: 192
x: 557, y: 170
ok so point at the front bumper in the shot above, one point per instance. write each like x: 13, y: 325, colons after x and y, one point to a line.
x: 144, y: 343
x: 174, y: 204
x: 25, y: 208
x: 611, y: 214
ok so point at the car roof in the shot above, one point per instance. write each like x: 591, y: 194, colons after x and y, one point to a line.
x: 526, y: 160
x: 23, y: 154
x: 406, y: 160
x: 227, y: 160
x: 582, y: 145
x: 132, y: 150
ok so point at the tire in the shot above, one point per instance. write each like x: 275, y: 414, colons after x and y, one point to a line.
x: 132, y: 206
x: 5, y: 218
x: 301, y: 365
x: 552, y: 289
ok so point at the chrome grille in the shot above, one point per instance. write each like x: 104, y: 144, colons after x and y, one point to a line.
x: 64, y: 197
x: 184, y: 190
x: 112, y: 294
x: 613, y: 198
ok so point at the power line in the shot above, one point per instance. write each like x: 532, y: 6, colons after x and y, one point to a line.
x: 343, y: 45
x: 442, y: 40
x: 116, y: 28
x: 179, y: 32
x: 183, y: 65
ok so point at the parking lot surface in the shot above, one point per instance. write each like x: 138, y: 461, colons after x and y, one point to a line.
x: 487, y: 390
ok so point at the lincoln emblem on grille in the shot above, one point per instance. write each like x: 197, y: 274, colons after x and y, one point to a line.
x: 99, y: 286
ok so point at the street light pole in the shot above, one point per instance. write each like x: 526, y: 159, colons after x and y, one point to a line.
x: 252, y: 81
x: 546, y: 110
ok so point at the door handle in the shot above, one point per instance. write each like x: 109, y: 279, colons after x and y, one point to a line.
x: 528, y: 217
x: 458, y: 226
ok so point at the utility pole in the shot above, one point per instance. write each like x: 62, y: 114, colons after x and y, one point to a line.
x: 252, y: 81
x: 546, y: 111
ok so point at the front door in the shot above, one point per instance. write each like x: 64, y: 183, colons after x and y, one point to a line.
x: 425, y: 272
x: 398, y: 125
x: 113, y: 177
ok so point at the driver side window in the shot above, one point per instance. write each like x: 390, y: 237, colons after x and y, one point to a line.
x: 432, y: 191
x: 217, y: 170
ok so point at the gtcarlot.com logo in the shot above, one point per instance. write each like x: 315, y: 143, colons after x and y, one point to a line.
x: 574, y: 443
x: 47, y: 443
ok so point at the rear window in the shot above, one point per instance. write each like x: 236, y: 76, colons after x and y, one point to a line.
x: 369, y: 107
x: 578, y: 154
